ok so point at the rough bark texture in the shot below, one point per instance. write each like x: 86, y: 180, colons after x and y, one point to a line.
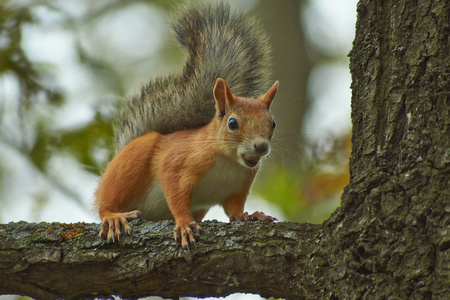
x: 390, y: 239
x: 392, y: 230
x: 53, y: 260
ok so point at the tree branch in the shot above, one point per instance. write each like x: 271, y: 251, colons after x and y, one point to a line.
x: 54, y: 260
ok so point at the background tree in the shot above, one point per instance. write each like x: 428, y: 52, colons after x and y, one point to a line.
x: 291, y: 66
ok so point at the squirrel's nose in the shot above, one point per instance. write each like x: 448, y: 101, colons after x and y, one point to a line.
x: 261, y: 147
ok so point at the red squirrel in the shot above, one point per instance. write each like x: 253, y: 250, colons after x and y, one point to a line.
x: 180, y: 169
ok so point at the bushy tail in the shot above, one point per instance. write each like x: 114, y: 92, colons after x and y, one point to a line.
x: 220, y: 43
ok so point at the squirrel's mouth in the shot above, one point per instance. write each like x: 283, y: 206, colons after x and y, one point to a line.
x: 250, y: 161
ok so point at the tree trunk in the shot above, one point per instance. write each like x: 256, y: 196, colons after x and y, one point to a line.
x: 390, y: 239
x: 392, y: 231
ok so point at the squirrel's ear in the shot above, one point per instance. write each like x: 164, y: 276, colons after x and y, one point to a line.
x: 268, y: 97
x: 224, y: 97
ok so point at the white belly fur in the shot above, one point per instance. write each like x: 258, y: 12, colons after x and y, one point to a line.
x: 223, y: 180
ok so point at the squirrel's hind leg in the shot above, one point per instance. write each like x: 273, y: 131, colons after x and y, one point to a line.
x: 256, y: 216
x: 199, y: 214
x: 111, y: 223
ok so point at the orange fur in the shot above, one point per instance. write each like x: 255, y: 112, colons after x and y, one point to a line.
x: 128, y: 175
x: 195, y: 169
x: 234, y: 206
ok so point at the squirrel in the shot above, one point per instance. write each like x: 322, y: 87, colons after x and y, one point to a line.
x: 187, y: 142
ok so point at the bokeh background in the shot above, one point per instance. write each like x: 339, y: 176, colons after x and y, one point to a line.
x: 65, y: 65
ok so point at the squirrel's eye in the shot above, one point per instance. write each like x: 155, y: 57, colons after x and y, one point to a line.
x: 233, y: 124
x: 274, y: 125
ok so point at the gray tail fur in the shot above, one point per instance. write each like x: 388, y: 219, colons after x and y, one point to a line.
x: 220, y: 43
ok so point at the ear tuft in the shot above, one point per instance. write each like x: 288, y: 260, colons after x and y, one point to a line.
x: 224, y: 97
x: 268, y: 97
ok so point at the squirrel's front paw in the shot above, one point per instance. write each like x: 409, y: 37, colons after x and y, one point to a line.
x: 111, y: 223
x: 183, y: 234
x: 256, y: 216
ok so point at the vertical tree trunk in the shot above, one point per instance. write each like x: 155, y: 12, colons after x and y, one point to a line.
x: 392, y: 230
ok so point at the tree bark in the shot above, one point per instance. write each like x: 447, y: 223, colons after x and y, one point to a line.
x: 392, y: 231
x: 69, y: 261
x: 390, y: 239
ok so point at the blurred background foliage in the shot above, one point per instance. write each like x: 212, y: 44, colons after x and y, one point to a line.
x: 64, y: 66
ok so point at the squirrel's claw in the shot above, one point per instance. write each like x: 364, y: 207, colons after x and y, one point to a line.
x: 256, y: 216
x: 259, y: 215
x: 111, y: 225
x: 183, y: 234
